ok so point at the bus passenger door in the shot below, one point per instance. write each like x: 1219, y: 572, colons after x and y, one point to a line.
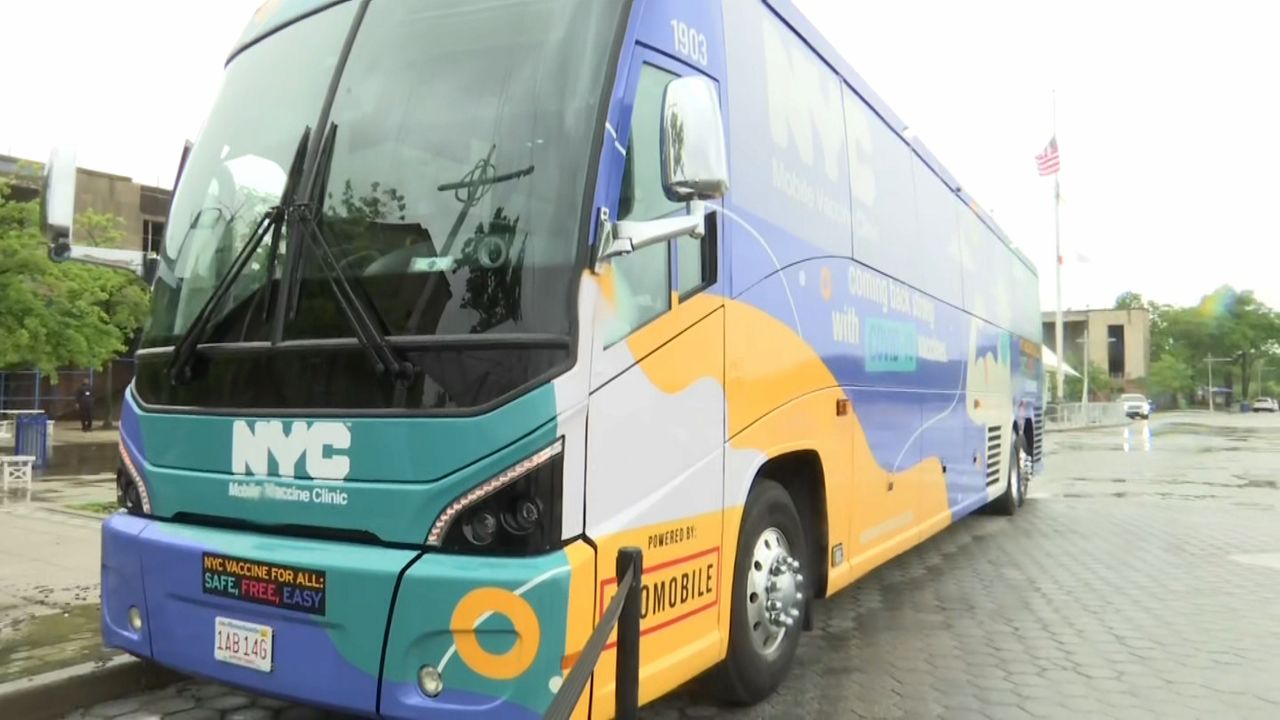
x: 656, y: 416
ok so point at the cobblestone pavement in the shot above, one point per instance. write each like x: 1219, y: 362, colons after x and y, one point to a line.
x: 1139, y: 581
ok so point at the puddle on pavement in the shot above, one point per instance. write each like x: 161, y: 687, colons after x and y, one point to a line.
x: 49, y: 642
x: 82, y: 459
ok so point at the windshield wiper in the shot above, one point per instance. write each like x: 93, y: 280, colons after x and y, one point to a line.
x: 184, y: 350
x: 359, y: 314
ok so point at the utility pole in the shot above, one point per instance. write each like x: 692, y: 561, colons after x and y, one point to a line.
x: 1057, y: 246
x: 1211, y: 361
x: 1085, y: 363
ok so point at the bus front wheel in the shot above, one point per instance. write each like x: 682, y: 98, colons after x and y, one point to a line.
x: 768, y: 597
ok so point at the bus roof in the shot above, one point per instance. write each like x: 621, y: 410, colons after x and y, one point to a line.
x: 837, y: 62
x: 273, y: 14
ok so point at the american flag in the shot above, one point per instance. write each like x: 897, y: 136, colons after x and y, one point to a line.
x: 1047, y: 160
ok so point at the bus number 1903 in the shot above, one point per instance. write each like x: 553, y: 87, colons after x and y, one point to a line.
x: 689, y: 42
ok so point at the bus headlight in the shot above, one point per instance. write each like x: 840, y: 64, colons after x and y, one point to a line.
x: 516, y: 512
x: 131, y: 491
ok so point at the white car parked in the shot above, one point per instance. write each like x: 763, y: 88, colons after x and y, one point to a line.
x: 1266, y: 404
x: 1136, y: 405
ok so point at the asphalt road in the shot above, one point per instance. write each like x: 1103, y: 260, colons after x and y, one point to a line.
x: 1139, y: 581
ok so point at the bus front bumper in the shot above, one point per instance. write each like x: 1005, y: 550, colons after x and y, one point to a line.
x: 492, y: 628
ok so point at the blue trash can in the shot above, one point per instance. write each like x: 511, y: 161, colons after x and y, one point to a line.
x: 31, y: 437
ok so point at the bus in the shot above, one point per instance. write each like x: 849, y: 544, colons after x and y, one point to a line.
x: 458, y: 298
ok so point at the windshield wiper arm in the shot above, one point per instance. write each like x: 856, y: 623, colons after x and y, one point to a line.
x: 363, y: 318
x: 185, y: 349
x: 357, y: 312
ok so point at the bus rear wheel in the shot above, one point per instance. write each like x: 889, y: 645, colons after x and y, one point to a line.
x: 1016, y: 490
x: 768, y: 598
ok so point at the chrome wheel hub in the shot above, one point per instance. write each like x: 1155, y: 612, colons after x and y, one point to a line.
x: 774, y: 590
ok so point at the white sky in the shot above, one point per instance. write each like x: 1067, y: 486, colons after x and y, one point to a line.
x: 1167, y: 116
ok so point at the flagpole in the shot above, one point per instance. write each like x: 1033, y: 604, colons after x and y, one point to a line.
x: 1057, y: 243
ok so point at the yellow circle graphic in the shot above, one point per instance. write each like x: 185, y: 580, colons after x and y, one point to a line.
x: 475, y: 605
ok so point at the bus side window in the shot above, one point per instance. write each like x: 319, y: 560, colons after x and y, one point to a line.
x: 642, y: 279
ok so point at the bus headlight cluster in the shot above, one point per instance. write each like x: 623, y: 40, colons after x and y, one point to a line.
x: 516, y: 512
x: 131, y: 491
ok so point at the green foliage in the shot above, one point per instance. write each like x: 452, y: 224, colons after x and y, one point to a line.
x: 95, y: 508
x: 1100, y: 385
x: 1170, y: 375
x: 99, y: 229
x: 1130, y: 301
x: 1226, y: 323
x: 62, y: 315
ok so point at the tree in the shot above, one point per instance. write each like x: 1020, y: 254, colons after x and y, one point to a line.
x: 1170, y: 375
x: 1162, y: 336
x: 1240, y: 327
x: 61, y: 315
x: 1100, y: 385
x: 1226, y: 323
x: 1130, y: 301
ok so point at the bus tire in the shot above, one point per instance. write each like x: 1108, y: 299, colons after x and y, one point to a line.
x: 1015, y: 491
x: 767, y: 597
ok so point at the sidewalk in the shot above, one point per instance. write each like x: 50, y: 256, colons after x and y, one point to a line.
x: 49, y: 557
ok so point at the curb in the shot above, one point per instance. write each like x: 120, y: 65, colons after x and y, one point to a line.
x: 60, y: 692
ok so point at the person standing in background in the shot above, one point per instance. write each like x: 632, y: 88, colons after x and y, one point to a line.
x: 84, y: 402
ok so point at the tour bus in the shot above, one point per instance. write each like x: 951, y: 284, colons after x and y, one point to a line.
x: 458, y: 298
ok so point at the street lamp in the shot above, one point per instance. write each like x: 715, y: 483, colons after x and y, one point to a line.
x: 1211, y: 361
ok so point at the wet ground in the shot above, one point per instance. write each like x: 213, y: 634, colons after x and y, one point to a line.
x: 53, y: 640
x: 1138, y: 581
x: 49, y: 539
x: 1234, y: 459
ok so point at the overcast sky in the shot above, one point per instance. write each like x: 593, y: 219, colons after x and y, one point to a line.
x: 1167, y: 116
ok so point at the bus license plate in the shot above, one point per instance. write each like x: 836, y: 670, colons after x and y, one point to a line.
x: 242, y: 643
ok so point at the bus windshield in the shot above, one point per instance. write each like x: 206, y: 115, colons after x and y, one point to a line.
x: 452, y: 193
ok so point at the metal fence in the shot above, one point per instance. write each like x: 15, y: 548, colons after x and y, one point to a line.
x: 1074, y: 415
x: 34, y: 390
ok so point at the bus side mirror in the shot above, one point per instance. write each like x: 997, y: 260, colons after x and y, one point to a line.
x: 694, y: 170
x: 57, y: 218
x: 693, y: 147
x: 58, y: 202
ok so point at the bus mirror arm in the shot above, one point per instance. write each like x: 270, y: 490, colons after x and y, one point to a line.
x: 137, y: 262
x: 628, y: 236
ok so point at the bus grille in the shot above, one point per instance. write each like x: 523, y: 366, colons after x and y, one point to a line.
x: 1037, y: 451
x: 993, y: 454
